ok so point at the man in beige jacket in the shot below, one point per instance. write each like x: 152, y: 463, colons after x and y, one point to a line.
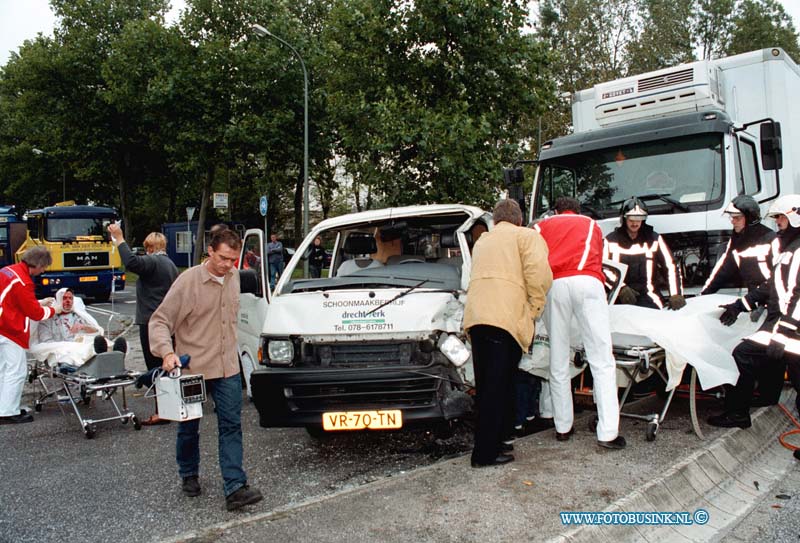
x: 507, y: 291
x: 201, y: 310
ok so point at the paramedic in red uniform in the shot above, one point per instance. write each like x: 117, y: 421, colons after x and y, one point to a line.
x: 18, y: 306
x: 576, y: 258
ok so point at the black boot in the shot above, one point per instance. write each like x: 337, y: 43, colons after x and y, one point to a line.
x: 100, y: 345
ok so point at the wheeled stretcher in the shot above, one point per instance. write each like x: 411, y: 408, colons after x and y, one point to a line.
x: 639, y: 356
x: 102, y: 375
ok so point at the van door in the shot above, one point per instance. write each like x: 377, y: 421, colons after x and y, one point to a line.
x: 253, y: 301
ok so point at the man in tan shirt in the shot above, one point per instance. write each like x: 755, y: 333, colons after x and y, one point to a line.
x: 507, y: 290
x: 200, y: 311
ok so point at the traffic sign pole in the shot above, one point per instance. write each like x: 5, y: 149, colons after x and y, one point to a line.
x: 189, y: 213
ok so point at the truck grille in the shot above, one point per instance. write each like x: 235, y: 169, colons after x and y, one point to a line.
x: 87, y: 259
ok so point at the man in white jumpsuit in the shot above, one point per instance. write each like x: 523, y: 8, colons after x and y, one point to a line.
x: 576, y: 258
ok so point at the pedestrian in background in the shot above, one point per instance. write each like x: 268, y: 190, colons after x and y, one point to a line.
x: 201, y: 311
x: 156, y: 274
x: 275, y: 259
x: 316, y: 258
x: 508, y: 283
x: 18, y: 306
x: 576, y: 258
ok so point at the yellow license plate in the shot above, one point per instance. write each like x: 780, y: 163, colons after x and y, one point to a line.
x: 389, y: 419
x: 87, y: 279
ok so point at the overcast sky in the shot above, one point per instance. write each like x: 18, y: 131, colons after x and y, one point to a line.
x: 24, y: 19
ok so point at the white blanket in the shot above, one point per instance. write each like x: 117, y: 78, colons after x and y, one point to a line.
x: 693, y: 335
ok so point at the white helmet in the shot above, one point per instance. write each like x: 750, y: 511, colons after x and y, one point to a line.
x: 788, y: 205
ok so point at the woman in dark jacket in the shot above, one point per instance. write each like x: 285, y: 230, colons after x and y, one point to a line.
x: 156, y: 274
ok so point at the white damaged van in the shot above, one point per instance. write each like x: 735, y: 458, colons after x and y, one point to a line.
x: 377, y: 341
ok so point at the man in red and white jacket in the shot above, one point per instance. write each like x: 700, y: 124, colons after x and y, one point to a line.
x: 576, y: 258
x: 18, y: 306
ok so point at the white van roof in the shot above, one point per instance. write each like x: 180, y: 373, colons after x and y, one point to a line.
x: 399, y: 212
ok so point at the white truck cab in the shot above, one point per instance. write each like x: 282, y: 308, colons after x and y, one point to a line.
x: 377, y: 341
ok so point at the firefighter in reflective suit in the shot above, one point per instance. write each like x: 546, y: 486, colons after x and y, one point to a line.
x: 649, y: 260
x: 764, y: 355
x: 748, y: 258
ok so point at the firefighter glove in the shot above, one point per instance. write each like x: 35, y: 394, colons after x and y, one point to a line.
x: 676, y: 302
x: 756, y: 313
x: 775, y: 350
x: 731, y: 312
x: 627, y: 296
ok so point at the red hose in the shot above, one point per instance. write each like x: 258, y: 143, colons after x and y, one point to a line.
x: 787, y: 433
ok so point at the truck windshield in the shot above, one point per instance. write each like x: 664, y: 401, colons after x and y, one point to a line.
x: 68, y: 229
x: 686, y: 170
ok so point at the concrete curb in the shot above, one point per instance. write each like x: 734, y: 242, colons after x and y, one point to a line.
x: 726, y: 478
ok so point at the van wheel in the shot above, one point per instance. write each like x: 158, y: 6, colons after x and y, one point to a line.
x: 102, y: 298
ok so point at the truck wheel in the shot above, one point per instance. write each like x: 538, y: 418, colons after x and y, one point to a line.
x: 102, y: 298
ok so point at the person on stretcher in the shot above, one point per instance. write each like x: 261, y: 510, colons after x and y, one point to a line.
x: 71, y: 337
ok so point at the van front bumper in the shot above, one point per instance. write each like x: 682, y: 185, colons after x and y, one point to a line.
x: 287, y: 397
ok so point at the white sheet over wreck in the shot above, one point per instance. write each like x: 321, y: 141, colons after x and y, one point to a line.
x: 692, y: 335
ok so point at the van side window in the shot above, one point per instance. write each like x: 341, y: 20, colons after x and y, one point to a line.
x: 251, y: 259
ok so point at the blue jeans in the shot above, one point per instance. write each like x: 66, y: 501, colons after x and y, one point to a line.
x: 275, y: 271
x: 528, y: 388
x: 227, y: 394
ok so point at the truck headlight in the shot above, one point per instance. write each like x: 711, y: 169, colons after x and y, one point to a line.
x: 280, y: 351
x: 454, y: 349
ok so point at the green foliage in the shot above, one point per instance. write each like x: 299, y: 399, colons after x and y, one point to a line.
x: 449, y: 92
x: 409, y: 102
x: 711, y: 26
x: 762, y: 23
x: 663, y: 38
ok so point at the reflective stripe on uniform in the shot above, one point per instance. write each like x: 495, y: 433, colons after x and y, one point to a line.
x: 717, y: 266
x: 587, y: 247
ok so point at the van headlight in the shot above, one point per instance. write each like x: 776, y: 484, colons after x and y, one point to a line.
x: 454, y: 349
x: 280, y: 351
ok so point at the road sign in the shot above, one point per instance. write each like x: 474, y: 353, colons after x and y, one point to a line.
x: 189, y: 213
x: 262, y: 206
x: 220, y: 200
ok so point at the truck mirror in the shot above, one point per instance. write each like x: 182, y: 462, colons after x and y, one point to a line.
x: 771, y: 149
x: 517, y: 193
x: 513, y: 176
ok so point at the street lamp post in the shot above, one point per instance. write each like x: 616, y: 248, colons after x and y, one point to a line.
x: 261, y: 31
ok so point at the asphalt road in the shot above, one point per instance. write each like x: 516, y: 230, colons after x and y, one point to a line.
x: 123, y: 485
